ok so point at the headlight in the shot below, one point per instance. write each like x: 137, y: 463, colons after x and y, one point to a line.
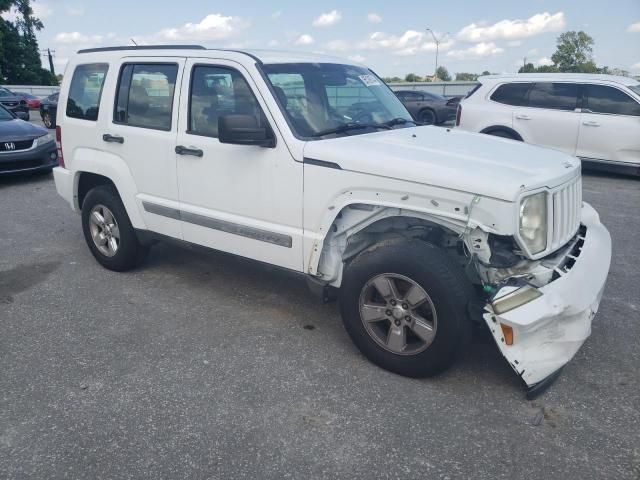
x: 533, y: 222
x: 46, y: 138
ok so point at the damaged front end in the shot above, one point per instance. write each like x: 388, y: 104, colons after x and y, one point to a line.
x: 540, y: 311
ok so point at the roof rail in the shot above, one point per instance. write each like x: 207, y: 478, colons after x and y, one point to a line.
x: 143, y: 47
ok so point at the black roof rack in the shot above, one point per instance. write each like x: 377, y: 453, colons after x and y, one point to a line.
x: 143, y: 47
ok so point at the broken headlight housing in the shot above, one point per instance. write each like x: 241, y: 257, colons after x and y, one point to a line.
x: 533, y: 222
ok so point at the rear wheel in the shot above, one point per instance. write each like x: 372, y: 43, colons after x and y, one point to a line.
x: 47, y: 120
x: 427, y: 117
x: 404, y: 305
x: 108, y: 230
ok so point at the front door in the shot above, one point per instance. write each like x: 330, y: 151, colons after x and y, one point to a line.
x: 241, y: 199
x: 550, y: 117
x: 609, y: 125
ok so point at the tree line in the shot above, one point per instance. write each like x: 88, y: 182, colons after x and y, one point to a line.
x: 574, y: 54
x: 20, y: 60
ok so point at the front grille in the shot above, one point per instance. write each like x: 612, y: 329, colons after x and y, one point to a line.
x: 16, y: 146
x: 567, y: 204
x: 10, y: 104
x: 19, y: 165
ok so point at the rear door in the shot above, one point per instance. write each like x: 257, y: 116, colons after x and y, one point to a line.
x: 551, y: 117
x: 142, y: 131
x: 609, y: 125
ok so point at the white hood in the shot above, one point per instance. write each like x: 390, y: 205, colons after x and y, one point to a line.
x: 469, y: 162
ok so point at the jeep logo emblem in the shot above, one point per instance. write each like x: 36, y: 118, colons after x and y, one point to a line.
x: 9, y: 146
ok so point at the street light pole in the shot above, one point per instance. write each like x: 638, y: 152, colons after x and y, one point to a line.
x: 437, y: 41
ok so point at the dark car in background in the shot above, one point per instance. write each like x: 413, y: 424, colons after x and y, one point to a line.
x: 429, y: 108
x: 14, y: 102
x: 48, y: 109
x: 25, y: 147
x: 33, y: 102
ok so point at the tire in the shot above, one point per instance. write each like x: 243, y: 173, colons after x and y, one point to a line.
x: 448, y: 291
x: 504, y: 134
x: 129, y: 253
x: 427, y: 117
x: 48, y: 121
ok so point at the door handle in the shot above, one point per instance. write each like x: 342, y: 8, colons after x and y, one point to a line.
x: 196, y: 152
x: 523, y: 117
x: 112, y: 138
x: 591, y: 123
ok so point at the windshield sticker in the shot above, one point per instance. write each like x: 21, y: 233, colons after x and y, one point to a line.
x: 369, y: 80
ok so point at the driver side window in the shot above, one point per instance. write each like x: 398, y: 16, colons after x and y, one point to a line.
x: 218, y: 91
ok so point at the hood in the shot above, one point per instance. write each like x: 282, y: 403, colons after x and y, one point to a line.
x: 470, y: 162
x: 16, y: 129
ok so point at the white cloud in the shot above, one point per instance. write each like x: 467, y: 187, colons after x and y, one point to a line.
x: 77, y: 38
x: 75, y: 11
x: 544, y: 61
x: 41, y: 10
x: 479, y: 50
x: 410, y: 42
x: 357, y: 58
x: 338, y: 45
x: 514, y: 43
x: 328, y: 19
x: 374, y: 18
x: 513, y: 29
x: 212, y: 27
x: 635, y: 67
x: 634, y: 28
x: 273, y: 43
x: 304, y: 39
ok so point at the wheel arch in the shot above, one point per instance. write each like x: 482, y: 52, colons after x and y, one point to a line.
x: 502, y: 128
x: 358, y: 226
x: 432, y: 110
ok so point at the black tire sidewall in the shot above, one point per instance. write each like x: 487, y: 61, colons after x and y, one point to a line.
x: 431, y: 114
x: 130, y: 252
x: 445, y: 284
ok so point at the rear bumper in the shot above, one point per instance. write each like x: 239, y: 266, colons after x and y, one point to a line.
x: 548, y: 331
x: 43, y: 157
x: 64, y: 180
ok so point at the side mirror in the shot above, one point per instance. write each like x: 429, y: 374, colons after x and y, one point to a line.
x: 22, y: 115
x: 243, y: 130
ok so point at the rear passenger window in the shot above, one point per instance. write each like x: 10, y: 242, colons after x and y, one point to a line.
x: 218, y: 91
x: 555, y: 96
x: 145, y: 95
x: 510, y: 94
x: 601, y: 99
x: 86, y: 90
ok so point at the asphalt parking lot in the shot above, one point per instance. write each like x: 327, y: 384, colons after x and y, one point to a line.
x: 203, y: 365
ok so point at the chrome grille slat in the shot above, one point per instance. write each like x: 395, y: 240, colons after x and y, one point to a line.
x: 566, y: 206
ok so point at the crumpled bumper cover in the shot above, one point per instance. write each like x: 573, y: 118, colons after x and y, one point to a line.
x: 548, y: 331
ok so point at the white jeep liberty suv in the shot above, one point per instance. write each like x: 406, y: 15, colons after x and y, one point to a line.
x: 312, y: 164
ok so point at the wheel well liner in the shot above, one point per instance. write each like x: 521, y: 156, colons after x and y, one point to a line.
x: 89, y: 180
x: 502, y: 128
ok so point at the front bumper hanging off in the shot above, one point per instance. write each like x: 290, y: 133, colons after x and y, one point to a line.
x: 547, y: 332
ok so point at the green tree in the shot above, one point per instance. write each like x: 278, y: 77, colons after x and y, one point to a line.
x: 20, y: 61
x: 412, y: 77
x: 466, y: 77
x: 443, y: 74
x: 574, y: 53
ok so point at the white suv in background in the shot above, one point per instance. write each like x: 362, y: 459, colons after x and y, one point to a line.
x: 311, y: 163
x: 594, y: 117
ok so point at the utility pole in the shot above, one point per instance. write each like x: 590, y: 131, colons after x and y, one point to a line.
x: 437, y: 41
x: 50, y: 54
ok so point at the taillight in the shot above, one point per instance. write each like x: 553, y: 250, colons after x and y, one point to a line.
x: 458, y: 115
x: 59, y: 145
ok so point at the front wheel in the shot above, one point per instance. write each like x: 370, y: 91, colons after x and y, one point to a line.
x: 404, y: 305
x: 108, y: 230
x: 427, y: 117
x: 48, y: 121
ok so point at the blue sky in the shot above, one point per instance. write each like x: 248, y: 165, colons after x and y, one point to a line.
x: 490, y: 35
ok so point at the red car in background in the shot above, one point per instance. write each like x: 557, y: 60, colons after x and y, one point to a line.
x: 33, y: 102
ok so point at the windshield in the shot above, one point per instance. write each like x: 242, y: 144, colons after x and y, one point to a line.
x: 635, y: 88
x: 321, y: 97
x: 5, y: 114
